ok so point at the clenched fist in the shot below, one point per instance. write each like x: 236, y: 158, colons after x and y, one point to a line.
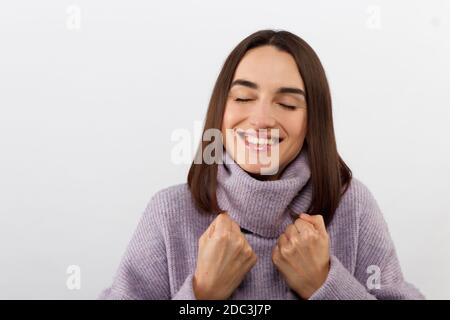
x: 224, y: 258
x: 302, y: 254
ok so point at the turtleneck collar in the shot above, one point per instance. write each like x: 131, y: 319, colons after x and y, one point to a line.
x: 261, y: 207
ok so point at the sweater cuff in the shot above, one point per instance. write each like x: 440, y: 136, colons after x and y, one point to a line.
x: 340, y: 284
x: 186, y: 291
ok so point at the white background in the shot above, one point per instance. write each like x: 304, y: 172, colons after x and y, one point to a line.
x: 87, y: 111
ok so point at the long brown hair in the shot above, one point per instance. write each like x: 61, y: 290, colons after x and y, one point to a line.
x: 330, y: 176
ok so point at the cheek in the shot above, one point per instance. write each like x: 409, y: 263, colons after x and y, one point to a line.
x: 227, y: 119
x: 296, y: 126
x: 228, y: 122
x: 231, y: 117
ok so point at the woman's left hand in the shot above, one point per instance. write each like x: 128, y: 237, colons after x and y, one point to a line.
x: 302, y: 254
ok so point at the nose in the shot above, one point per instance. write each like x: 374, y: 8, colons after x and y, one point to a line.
x: 261, y: 116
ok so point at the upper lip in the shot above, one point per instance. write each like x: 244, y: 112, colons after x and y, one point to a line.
x: 257, y: 133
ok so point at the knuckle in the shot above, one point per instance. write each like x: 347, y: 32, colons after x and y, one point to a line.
x: 291, y: 228
x: 296, y: 241
x: 221, y: 217
x: 306, y: 240
x: 325, y: 238
x: 278, y: 244
x: 223, y: 237
x: 315, y: 236
x: 285, y: 251
x: 275, y: 255
x: 248, y: 252
x: 240, y: 244
x: 281, y: 241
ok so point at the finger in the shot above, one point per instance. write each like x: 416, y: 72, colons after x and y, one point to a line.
x: 251, y: 261
x: 304, y: 227
x: 235, y: 229
x: 210, y: 229
x: 246, y: 243
x: 223, y: 224
x: 282, y: 241
x: 281, y: 264
x: 235, y: 226
x: 276, y: 255
x: 292, y: 233
x: 218, y: 217
x: 239, y: 240
x: 316, y: 220
x: 286, y: 247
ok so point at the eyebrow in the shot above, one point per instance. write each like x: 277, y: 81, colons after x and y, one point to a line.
x: 253, y: 85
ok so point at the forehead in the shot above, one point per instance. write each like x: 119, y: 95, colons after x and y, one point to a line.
x: 270, y: 68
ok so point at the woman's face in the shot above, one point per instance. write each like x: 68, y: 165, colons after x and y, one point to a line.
x: 267, y: 93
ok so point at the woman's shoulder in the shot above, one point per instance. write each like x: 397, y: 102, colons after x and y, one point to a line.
x: 172, y: 204
x: 358, y: 213
x: 358, y: 199
x: 171, y: 199
x: 172, y: 210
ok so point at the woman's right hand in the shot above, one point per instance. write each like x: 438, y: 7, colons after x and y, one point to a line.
x: 224, y: 258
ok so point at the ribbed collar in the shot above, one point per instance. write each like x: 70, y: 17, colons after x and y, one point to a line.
x: 261, y: 207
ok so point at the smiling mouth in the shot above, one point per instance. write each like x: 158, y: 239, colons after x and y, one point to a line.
x: 260, y: 142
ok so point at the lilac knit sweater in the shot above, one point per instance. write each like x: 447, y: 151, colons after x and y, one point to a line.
x: 160, y: 259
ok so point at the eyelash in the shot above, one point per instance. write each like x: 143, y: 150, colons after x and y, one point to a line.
x: 281, y: 104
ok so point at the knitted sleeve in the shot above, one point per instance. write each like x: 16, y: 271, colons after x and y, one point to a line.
x: 377, y: 274
x: 143, y: 271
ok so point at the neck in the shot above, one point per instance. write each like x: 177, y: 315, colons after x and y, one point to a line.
x: 260, y: 203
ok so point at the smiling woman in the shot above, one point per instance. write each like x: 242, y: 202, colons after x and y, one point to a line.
x: 275, y: 82
x: 274, y: 99
x: 308, y: 230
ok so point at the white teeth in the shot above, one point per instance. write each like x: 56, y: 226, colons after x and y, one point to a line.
x: 256, y: 140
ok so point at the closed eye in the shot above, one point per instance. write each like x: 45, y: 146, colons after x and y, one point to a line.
x: 242, y: 100
x: 288, y: 106
x: 281, y: 104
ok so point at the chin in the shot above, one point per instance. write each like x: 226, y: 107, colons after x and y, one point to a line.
x: 261, y: 168
x: 252, y: 168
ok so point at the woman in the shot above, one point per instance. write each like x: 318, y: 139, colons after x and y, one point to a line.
x: 302, y: 229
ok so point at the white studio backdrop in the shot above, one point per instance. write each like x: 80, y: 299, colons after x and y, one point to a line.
x: 91, y: 92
